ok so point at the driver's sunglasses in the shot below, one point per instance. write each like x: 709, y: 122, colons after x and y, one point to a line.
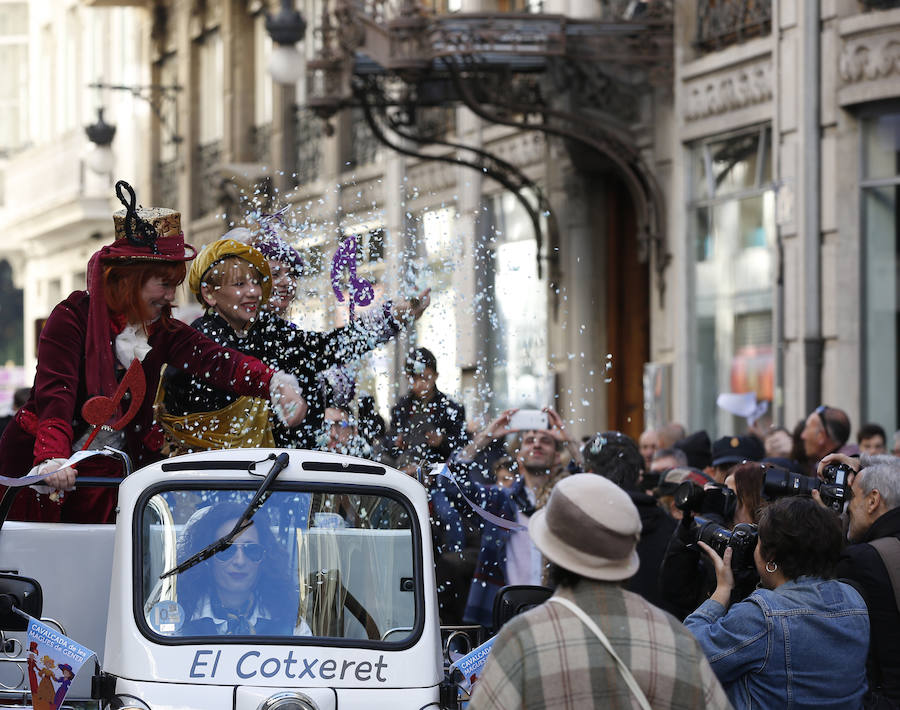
x: 253, y: 551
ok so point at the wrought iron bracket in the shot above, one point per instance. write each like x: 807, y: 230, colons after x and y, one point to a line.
x: 156, y: 96
x: 505, y: 173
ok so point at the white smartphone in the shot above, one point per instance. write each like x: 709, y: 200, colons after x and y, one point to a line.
x: 529, y: 420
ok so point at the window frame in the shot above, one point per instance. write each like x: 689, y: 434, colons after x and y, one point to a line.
x: 889, y: 108
x: 693, y: 205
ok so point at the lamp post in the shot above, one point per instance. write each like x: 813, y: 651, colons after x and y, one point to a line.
x: 286, y: 28
x: 101, y: 134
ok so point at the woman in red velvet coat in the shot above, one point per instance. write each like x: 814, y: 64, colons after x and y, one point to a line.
x: 85, y: 348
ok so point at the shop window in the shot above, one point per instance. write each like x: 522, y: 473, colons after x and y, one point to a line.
x: 732, y: 228
x: 881, y: 269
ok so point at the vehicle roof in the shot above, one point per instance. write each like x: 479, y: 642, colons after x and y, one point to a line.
x: 305, y: 466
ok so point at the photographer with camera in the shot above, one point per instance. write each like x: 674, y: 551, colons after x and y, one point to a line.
x: 708, y: 513
x: 686, y: 575
x: 872, y: 564
x: 803, y: 635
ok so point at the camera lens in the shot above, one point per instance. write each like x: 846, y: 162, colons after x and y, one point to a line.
x: 781, y: 482
x: 714, y: 535
x: 688, y: 497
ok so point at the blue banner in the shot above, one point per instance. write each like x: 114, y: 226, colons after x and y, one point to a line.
x: 465, y: 671
x: 53, y: 662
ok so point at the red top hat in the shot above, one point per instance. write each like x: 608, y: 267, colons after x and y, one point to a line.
x: 142, y: 235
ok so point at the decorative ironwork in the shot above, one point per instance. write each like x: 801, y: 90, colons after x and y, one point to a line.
x: 308, y: 132
x: 400, y: 124
x: 208, y: 187
x: 436, y: 122
x: 261, y: 143
x: 724, y: 22
x: 363, y: 143
x: 162, y: 99
x: 582, y: 80
x: 167, y: 183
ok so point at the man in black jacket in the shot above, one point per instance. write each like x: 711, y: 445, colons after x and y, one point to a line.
x: 874, y: 512
x: 426, y: 425
x: 616, y: 456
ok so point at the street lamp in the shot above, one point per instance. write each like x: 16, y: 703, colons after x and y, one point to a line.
x: 101, y: 134
x: 286, y: 28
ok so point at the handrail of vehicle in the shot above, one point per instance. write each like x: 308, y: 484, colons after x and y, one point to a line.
x: 210, y: 465
x: 395, y: 630
x: 340, y: 467
x: 10, y: 494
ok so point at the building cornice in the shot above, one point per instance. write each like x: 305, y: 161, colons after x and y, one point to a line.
x: 869, y: 57
x: 733, y: 87
x: 730, y: 90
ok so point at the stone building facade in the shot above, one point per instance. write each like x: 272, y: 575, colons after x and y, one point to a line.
x: 783, y: 204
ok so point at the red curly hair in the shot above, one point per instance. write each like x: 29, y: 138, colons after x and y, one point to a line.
x: 122, y: 284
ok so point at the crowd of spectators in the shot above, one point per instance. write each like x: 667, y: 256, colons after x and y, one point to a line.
x: 782, y: 576
x: 768, y: 546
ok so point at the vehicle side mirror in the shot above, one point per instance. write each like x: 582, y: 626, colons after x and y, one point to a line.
x: 516, y: 598
x: 24, y: 594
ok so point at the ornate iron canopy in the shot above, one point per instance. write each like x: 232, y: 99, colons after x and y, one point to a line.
x: 586, y: 81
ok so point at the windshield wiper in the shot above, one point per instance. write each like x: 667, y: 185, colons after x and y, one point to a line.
x: 243, y: 522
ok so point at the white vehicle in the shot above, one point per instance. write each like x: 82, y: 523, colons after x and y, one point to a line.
x: 246, y: 579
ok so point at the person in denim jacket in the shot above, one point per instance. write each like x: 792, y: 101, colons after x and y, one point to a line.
x: 801, y: 640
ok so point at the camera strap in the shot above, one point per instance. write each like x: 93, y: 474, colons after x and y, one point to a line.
x: 888, y: 549
x: 623, y: 669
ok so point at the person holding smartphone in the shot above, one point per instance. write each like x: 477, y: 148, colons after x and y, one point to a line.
x: 509, y: 556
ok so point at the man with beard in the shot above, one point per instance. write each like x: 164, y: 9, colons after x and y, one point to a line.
x: 508, y: 556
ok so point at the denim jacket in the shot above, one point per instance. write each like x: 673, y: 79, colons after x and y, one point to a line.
x: 802, y: 645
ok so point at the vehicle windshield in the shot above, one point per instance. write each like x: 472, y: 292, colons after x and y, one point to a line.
x: 324, y: 563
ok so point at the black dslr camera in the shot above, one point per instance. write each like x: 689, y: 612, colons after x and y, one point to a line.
x: 741, y: 539
x: 833, y: 488
x: 717, y: 500
x: 720, y: 502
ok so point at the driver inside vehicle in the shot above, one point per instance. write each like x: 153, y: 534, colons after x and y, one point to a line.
x: 242, y: 590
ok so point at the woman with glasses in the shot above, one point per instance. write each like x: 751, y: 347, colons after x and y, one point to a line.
x: 241, y: 590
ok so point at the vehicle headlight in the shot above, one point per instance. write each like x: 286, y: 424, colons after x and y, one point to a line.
x: 288, y: 701
x: 126, y: 702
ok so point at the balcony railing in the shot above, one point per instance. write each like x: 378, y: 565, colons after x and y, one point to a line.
x: 309, y: 146
x: 208, y: 189
x: 724, y: 22
x: 436, y: 121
